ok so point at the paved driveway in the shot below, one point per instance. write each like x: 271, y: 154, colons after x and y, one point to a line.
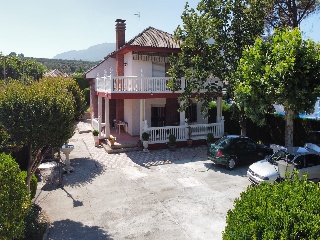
x: 136, y: 195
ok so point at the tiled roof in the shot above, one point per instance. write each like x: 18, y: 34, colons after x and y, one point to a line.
x: 152, y: 37
x: 55, y: 73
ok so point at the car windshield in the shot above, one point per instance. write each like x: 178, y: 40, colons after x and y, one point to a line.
x: 280, y: 155
x: 222, y: 142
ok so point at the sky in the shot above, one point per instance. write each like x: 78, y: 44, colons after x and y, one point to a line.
x: 45, y: 28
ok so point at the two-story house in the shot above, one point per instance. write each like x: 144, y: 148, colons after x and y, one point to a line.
x: 129, y: 87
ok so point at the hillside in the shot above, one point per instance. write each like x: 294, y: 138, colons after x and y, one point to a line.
x: 66, y: 66
x: 93, y: 53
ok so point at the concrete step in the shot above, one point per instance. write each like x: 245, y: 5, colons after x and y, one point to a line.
x: 119, y: 148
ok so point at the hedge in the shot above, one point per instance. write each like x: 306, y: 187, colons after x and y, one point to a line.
x: 273, y: 132
x: 285, y: 210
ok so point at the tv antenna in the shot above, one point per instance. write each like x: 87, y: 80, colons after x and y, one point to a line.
x: 137, y: 14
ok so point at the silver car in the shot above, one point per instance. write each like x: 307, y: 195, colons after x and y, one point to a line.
x: 304, y: 159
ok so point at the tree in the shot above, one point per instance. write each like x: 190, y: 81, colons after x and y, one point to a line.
x: 39, y: 116
x: 288, y: 13
x: 14, y: 199
x: 211, y: 39
x: 284, y: 69
x: 286, y: 210
x: 20, y: 69
x: 72, y: 86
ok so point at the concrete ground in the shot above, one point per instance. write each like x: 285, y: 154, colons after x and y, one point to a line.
x: 135, y: 195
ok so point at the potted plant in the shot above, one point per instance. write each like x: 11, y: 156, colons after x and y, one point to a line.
x: 172, y: 142
x: 95, y: 134
x: 210, y: 139
x: 112, y: 140
x: 145, y: 138
x: 189, y: 140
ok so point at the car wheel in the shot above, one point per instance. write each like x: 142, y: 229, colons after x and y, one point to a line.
x: 231, y: 164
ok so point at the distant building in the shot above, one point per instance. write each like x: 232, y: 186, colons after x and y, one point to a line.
x: 56, y: 73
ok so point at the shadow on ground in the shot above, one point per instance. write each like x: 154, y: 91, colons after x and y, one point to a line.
x: 85, y: 170
x: 238, y: 171
x: 68, y: 229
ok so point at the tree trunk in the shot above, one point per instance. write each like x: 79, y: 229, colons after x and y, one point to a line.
x: 289, y: 128
x: 243, y: 122
x: 34, y: 162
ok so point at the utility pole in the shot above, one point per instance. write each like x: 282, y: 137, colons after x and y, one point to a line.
x: 138, y: 16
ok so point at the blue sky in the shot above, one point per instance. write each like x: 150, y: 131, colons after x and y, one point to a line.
x: 44, y: 28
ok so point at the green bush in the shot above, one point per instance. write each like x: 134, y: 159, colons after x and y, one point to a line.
x: 33, y: 183
x: 14, y: 199
x: 286, y: 210
x: 172, y: 139
x: 210, y: 137
x: 36, y: 224
x: 145, y: 136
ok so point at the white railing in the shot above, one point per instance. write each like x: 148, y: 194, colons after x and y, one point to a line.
x: 134, y: 84
x: 198, y: 131
x: 103, y: 84
x: 97, y: 125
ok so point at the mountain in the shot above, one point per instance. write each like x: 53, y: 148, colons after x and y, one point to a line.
x: 93, y: 53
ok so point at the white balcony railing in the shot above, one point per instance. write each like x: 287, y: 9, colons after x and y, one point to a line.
x: 134, y: 84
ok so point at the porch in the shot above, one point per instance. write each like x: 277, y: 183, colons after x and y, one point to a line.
x: 127, y: 143
x: 159, y: 135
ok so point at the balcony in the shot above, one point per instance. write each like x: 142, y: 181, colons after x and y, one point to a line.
x: 134, y: 84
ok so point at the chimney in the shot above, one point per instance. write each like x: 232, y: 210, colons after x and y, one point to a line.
x: 120, y: 33
x: 120, y: 41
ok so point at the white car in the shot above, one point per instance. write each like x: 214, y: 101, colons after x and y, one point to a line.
x: 304, y: 159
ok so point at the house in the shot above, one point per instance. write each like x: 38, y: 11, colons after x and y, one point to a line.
x: 129, y: 87
x: 56, y: 73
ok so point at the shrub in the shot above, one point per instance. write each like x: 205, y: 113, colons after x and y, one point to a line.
x: 210, y: 137
x: 33, y: 183
x: 286, y: 210
x: 36, y: 224
x: 95, y: 132
x: 172, y: 139
x: 145, y: 136
x: 14, y: 199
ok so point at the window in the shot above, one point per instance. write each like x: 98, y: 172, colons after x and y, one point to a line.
x: 312, y: 160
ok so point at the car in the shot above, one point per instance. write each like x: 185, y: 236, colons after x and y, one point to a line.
x: 233, y: 150
x: 303, y: 159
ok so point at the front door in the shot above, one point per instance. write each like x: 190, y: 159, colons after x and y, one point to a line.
x: 157, y: 116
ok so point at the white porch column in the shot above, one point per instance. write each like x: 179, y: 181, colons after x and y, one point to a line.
x: 99, y: 114
x: 219, y: 108
x: 99, y: 106
x: 106, y: 117
x: 182, y: 115
x: 142, y: 115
